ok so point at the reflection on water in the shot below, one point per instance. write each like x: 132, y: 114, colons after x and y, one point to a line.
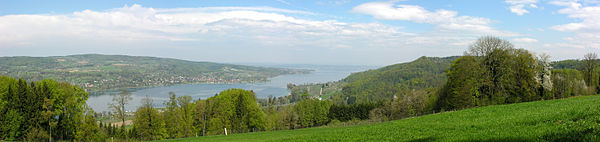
x: 277, y: 86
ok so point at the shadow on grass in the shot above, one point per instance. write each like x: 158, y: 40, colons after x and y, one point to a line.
x: 507, y: 139
x: 578, y: 135
x: 426, y: 139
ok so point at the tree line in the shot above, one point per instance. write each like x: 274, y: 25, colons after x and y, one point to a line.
x: 44, y: 110
x: 494, y: 72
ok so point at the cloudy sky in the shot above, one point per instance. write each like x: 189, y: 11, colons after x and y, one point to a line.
x: 295, y: 31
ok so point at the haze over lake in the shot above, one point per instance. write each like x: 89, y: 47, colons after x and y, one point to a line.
x: 276, y: 86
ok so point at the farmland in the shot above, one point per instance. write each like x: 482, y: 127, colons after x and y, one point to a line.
x: 97, y: 72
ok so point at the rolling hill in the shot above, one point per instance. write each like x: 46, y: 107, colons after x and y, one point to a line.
x: 572, y: 119
x: 383, y: 83
x: 102, y: 72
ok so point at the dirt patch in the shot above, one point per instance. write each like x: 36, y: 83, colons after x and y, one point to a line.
x: 127, y: 122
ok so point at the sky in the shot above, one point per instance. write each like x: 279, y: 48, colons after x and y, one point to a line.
x: 341, y: 32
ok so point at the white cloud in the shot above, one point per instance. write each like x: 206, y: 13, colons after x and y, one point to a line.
x: 525, y: 40
x: 447, y: 22
x: 519, y: 6
x: 229, y: 34
x: 418, y: 14
x: 209, y: 33
x: 518, y: 9
x: 587, y: 29
x: 284, y: 2
x: 140, y: 23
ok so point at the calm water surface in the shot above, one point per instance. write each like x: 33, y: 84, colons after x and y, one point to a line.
x: 276, y: 86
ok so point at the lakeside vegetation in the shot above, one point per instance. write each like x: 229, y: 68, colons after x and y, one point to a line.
x: 96, y: 72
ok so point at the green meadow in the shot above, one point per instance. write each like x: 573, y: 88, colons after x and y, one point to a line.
x: 571, y: 119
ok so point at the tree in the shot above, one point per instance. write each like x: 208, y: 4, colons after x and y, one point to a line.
x: 312, y: 112
x: 10, y: 125
x: 523, y: 82
x: 493, y: 72
x: 201, y: 116
x: 186, y: 108
x: 568, y: 82
x: 171, y: 117
x: 544, y: 76
x: 589, y: 68
x: 90, y: 131
x: 493, y: 56
x: 234, y: 109
x: 148, y: 123
x: 42, y: 110
x: 289, y: 117
x: 119, y: 103
x: 462, y: 89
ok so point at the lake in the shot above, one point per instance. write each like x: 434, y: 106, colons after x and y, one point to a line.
x: 277, y: 86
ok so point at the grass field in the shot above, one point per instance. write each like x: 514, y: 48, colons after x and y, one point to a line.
x: 573, y: 119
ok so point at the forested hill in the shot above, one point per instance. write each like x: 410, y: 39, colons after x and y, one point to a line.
x: 101, y: 72
x: 569, y: 64
x: 398, y: 79
x: 385, y: 82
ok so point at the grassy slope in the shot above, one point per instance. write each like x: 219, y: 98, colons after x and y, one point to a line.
x: 578, y: 117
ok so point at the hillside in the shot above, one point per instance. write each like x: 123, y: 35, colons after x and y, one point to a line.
x: 572, y: 119
x: 383, y: 83
x: 101, y: 72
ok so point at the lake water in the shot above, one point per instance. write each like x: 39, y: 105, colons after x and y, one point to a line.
x: 277, y: 86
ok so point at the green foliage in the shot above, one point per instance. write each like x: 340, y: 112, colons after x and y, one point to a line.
x: 567, y: 83
x: 589, y: 69
x: 234, y: 109
x: 345, y: 113
x: 186, y: 109
x: 40, y: 110
x: 148, y: 123
x: 412, y: 103
x: 492, y: 72
x: 171, y: 116
x: 573, y: 119
x: 567, y: 64
x: 10, y: 125
x: 90, y: 131
x: 383, y: 83
x: 178, y: 116
x: 461, y: 90
x: 312, y: 112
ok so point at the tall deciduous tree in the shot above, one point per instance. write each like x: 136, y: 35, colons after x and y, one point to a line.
x: 148, y: 123
x: 171, y: 116
x: 119, y: 102
x: 186, y: 108
x: 493, y: 57
x: 589, y: 68
x: 544, y: 76
x: 234, y: 109
x: 462, y: 88
x: 493, y: 72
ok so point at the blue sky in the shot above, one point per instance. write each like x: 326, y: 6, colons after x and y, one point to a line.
x: 295, y: 31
